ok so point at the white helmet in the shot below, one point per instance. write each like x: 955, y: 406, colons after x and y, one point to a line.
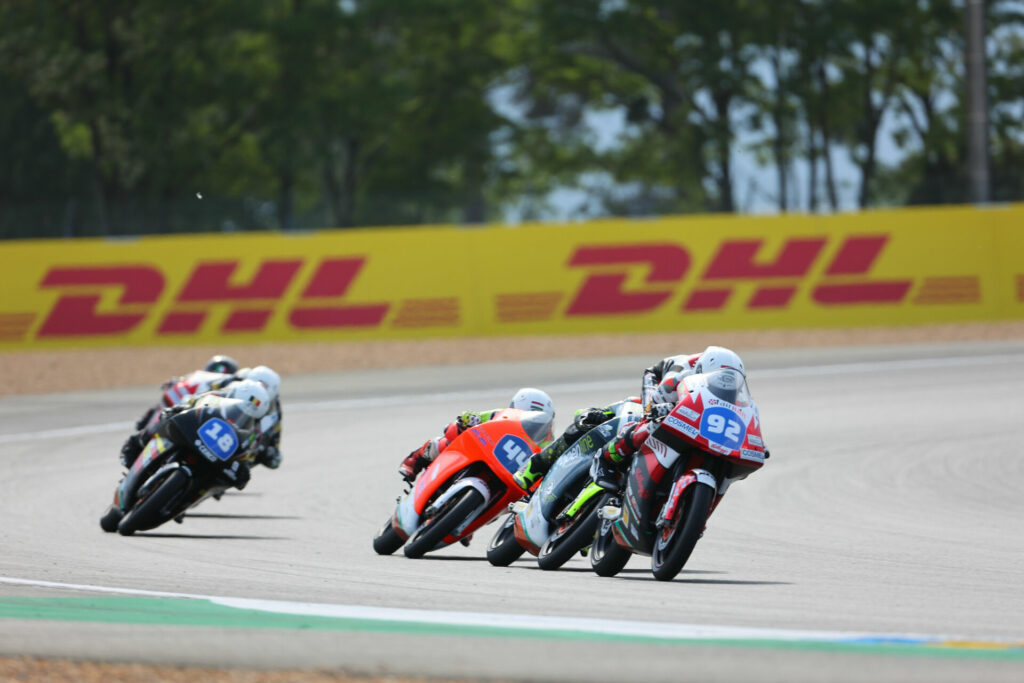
x: 268, y: 378
x: 529, y: 398
x: 717, y: 357
x: 253, y: 395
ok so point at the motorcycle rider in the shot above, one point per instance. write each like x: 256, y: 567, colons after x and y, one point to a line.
x: 266, y: 449
x: 253, y: 400
x: 527, y: 398
x: 216, y: 374
x: 660, y: 395
x: 584, y: 420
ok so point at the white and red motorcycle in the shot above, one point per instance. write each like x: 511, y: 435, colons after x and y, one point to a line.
x: 711, y: 439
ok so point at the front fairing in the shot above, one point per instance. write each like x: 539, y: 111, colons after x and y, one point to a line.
x: 717, y: 414
x: 204, y: 438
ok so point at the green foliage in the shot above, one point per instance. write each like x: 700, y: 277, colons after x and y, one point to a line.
x: 307, y: 113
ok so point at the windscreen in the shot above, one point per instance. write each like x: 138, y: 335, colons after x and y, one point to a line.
x: 726, y: 384
x: 231, y: 409
x: 538, y: 426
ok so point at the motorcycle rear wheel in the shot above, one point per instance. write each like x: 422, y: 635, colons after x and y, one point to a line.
x: 387, y: 539
x: 504, y: 549
x: 157, y: 508
x: 444, y: 522
x: 570, y: 539
x: 678, y: 537
x: 607, y: 558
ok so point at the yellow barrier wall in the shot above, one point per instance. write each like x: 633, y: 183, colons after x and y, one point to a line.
x: 706, y: 272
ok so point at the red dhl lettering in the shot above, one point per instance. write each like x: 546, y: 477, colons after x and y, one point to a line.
x: 602, y: 293
x: 75, y: 314
x: 845, y: 278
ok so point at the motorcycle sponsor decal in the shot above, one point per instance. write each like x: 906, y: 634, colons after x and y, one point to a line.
x: 688, y: 413
x: 711, y: 401
x: 665, y: 454
x: 755, y: 440
x: 676, y: 423
x: 219, y: 437
x: 204, y: 450
x: 721, y: 427
x: 748, y: 454
x: 512, y: 452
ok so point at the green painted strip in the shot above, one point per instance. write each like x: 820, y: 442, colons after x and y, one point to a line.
x: 183, y: 612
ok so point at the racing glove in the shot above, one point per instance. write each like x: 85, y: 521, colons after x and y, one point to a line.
x: 466, y: 420
x: 656, y: 411
x: 590, y: 417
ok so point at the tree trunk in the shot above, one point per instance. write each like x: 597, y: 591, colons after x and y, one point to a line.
x: 826, y: 138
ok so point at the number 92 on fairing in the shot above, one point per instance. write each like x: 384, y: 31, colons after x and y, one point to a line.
x: 723, y: 427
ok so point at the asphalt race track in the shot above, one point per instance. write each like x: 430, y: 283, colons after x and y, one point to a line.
x: 883, y: 540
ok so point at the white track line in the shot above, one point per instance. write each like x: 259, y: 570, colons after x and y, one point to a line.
x: 525, y: 622
x: 599, y: 385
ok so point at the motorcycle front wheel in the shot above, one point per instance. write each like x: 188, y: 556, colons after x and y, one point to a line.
x: 607, y: 558
x: 504, y: 549
x: 572, y: 536
x: 678, y: 537
x: 447, y: 519
x: 158, y: 507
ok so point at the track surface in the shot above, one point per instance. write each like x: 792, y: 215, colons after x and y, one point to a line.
x: 892, y: 504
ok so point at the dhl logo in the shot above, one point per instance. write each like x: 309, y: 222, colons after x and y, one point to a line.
x: 255, y: 301
x: 845, y: 278
x: 609, y: 280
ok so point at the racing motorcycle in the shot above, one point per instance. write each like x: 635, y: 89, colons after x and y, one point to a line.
x: 466, y: 486
x: 711, y: 439
x: 198, y: 453
x: 559, y: 519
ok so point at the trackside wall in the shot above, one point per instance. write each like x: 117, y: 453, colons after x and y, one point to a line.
x: 682, y: 273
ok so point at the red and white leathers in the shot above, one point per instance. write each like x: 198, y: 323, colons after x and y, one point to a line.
x: 661, y: 394
x: 661, y: 380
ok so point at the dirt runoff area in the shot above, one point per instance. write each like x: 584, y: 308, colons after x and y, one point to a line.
x: 64, y: 671
x: 44, y: 372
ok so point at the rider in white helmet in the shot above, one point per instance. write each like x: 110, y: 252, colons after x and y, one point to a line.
x: 268, y: 445
x: 526, y: 399
x: 659, y: 396
x: 661, y: 380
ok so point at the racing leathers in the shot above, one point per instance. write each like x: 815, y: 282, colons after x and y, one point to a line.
x: 539, y: 463
x: 420, y: 458
x: 660, y: 394
x: 659, y: 388
x: 178, y: 389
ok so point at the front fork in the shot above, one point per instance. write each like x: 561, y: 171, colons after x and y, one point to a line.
x: 675, y: 494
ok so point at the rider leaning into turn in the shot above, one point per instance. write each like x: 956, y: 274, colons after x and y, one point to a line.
x: 660, y: 395
x: 527, y: 398
x: 583, y: 421
x: 266, y: 449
